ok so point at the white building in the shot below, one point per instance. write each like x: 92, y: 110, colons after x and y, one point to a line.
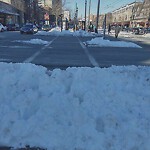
x: 66, y: 14
x: 123, y: 15
x: 45, y: 3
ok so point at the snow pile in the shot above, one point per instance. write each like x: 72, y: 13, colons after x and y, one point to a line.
x: 33, y: 41
x: 126, y: 34
x: 100, y: 42
x: 147, y: 35
x: 57, y: 32
x: 75, y: 109
x: 83, y: 33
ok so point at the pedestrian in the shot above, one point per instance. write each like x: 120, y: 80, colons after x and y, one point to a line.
x: 109, y: 28
x: 91, y: 27
x: 117, y: 30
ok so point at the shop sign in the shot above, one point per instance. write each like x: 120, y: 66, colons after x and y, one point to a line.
x: 46, y: 16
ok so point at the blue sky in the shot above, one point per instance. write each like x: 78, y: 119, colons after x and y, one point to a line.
x: 106, y: 5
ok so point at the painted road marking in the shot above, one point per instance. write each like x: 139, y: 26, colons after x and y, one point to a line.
x: 30, y: 59
x: 15, y: 46
x: 91, y: 58
x: 4, y: 60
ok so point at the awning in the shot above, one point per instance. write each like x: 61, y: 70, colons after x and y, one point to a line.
x: 126, y: 23
x: 8, y: 12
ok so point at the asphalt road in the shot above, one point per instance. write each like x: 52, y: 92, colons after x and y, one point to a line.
x: 69, y: 51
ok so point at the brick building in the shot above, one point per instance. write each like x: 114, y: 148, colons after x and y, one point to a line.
x: 12, y: 11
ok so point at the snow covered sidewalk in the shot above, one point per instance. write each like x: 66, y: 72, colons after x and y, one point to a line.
x: 75, y: 109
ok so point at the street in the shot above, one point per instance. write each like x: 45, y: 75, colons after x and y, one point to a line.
x: 69, y: 51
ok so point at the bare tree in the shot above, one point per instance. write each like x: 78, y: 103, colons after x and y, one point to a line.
x: 57, y: 8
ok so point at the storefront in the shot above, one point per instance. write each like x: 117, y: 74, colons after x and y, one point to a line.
x: 9, y: 14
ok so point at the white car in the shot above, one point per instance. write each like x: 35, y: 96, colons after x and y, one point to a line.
x: 2, y: 28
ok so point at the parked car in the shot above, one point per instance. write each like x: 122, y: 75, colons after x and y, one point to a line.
x: 46, y: 27
x: 138, y: 30
x: 29, y: 28
x: 12, y: 27
x: 147, y: 30
x: 2, y: 28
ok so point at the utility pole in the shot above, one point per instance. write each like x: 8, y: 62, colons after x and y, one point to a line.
x: 89, y: 12
x: 85, y: 14
x: 104, y: 26
x: 76, y: 17
x: 98, y: 7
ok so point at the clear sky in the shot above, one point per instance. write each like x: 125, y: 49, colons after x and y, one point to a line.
x: 106, y: 5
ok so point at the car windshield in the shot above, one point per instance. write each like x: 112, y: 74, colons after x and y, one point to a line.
x: 28, y: 26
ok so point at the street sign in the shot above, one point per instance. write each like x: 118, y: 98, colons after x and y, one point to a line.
x: 46, y: 16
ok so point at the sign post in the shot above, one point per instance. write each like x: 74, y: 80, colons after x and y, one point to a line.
x: 46, y: 18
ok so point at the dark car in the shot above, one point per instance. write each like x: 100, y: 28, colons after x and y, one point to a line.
x: 12, y: 27
x: 46, y: 27
x: 29, y: 28
x: 147, y: 30
x: 138, y: 30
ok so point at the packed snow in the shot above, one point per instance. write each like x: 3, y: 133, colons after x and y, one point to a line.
x: 100, y: 42
x: 75, y: 109
x: 33, y: 41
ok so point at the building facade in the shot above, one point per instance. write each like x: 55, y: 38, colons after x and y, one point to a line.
x: 93, y: 19
x: 136, y: 14
x: 12, y: 11
x: 32, y: 11
x: 36, y: 10
x: 123, y: 15
x: 141, y: 15
x: 57, y: 10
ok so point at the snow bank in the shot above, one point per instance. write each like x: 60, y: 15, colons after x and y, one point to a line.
x: 100, y: 42
x: 83, y: 33
x: 147, y: 35
x: 75, y: 109
x: 57, y: 32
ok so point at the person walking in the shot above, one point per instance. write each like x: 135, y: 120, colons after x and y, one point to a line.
x: 109, y: 28
x: 117, y: 31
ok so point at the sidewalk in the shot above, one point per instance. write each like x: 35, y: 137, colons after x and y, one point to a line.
x: 139, y: 39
